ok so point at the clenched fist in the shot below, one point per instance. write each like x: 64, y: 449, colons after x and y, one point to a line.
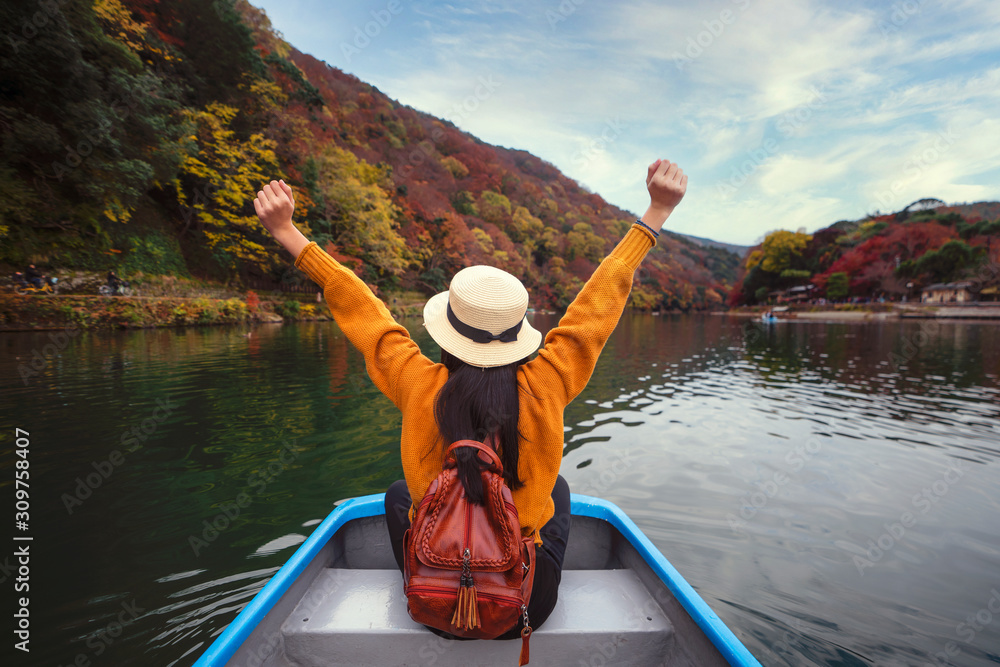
x: 274, y: 205
x: 667, y: 184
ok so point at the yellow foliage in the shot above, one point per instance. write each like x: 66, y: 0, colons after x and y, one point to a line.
x: 549, y: 206
x: 267, y: 93
x: 494, y: 257
x: 778, y: 250
x: 115, y: 211
x: 484, y: 241
x: 643, y: 300
x: 526, y: 226
x: 360, y: 211
x: 119, y: 24
x: 228, y: 173
x: 583, y: 242
x: 456, y: 167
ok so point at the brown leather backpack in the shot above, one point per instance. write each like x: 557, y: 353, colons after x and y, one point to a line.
x: 467, y: 570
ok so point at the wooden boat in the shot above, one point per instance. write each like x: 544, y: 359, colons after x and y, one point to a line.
x: 339, y: 601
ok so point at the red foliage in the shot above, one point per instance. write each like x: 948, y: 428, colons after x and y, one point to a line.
x: 353, y: 263
x: 581, y: 267
x: 914, y: 239
x: 253, y: 302
x: 871, y: 264
x: 160, y: 16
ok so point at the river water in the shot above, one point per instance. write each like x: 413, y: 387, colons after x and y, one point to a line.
x: 830, y: 489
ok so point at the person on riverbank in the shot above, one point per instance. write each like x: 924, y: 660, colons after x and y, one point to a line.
x: 484, y: 387
x: 33, y: 275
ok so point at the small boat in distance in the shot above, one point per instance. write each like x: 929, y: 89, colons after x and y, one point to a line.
x: 770, y: 316
x: 339, y: 601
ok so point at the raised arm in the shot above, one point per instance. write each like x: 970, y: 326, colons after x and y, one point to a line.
x: 569, y: 354
x: 390, y: 354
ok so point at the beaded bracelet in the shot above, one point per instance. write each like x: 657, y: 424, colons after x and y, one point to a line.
x: 640, y: 222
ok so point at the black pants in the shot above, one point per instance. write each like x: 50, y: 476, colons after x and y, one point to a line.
x: 548, y: 557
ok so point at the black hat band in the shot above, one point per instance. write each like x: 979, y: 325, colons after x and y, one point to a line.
x: 482, y: 335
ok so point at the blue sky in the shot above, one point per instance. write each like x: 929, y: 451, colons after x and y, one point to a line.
x: 784, y: 113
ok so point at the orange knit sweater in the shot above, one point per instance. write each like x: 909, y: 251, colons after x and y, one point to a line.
x: 548, y: 382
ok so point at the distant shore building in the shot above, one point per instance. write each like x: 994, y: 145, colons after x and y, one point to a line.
x: 990, y: 293
x: 947, y: 293
x: 793, y: 294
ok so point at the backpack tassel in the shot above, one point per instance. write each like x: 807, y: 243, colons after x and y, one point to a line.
x: 473, y: 607
x: 525, y: 636
x: 466, y: 614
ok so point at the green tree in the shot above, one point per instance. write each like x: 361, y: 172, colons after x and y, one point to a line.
x: 838, y: 286
x: 583, y: 242
x: 947, y: 262
x: 464, y: 203
x: 546, y: 246
x: 494, y: 207
x: 86, y: 128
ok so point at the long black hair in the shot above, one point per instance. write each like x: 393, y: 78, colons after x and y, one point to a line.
x: 474, y: 404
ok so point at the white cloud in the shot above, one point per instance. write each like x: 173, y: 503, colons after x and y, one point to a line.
x: 787, y: 174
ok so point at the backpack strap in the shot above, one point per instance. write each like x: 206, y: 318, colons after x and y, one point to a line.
x: 492, y: 455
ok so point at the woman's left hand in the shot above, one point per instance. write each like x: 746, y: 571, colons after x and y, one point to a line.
x: 274, y: 205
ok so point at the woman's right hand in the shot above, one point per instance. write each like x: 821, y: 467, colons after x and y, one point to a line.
x: 666, y: 183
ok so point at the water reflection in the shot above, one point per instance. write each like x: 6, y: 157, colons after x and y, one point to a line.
x: 768, y: 457
x: 764, y: 461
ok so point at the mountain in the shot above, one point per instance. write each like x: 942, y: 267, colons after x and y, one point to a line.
x: 136, y: 134
x: 739, y: 250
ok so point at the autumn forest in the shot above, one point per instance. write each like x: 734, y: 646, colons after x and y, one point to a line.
x: 136, y: 133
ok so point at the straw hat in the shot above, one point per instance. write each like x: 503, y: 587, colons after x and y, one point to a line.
x: 481, y: 319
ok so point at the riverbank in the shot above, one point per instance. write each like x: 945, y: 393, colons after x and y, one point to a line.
x: 171, y: 301
x: 39, y: 313
x: 31, y: 312
x: 877, y: 311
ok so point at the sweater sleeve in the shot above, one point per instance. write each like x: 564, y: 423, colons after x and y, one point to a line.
x: 393, y: 360
x: 569, y: 354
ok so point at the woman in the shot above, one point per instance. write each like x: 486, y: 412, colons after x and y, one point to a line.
x: 485, y: 388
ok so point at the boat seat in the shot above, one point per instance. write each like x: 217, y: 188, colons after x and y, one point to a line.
x: 358, y: 617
